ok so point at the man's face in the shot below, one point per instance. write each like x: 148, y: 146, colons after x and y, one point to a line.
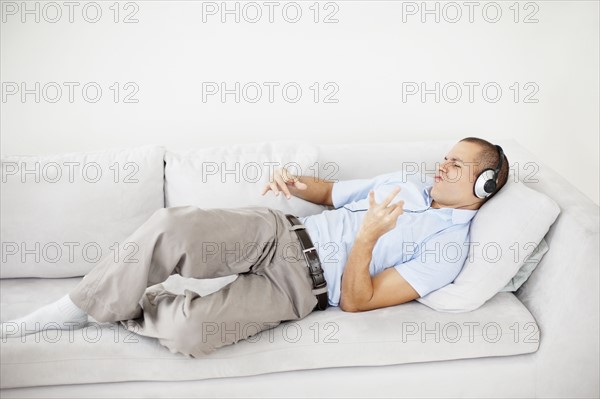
x: 455, y: 177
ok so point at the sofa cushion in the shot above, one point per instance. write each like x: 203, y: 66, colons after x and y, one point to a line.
x: 61, y: 214
x: 503, y: 233
x: 233, y: 176
x: 105, y: 352
x: 528, y: 267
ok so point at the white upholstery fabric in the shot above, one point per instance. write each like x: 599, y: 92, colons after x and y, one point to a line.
x: 229, y: 177
x: 68, y: 213
x: 402, y: 334
x: 525, y: 271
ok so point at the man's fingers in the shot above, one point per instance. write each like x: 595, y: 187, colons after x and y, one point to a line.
x: 282, y: 185
x: 390, y: 197
x: 293, y: 179
x: 398, y: 210
x: 265, y: 189
x: 269, y: 186
x: 278, y: 183
x: 287, y: 176
x: 386, y: 200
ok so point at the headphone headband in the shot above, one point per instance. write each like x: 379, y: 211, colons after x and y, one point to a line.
x: 499, y: 166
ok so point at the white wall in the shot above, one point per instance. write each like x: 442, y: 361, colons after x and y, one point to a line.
x: 370, y: 54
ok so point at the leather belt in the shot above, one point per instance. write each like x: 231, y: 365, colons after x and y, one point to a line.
x: 313, y: 262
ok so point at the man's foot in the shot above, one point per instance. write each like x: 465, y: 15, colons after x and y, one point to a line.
x: 60, y: 315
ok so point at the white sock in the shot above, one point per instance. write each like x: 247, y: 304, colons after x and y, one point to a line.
x: 60, y: 315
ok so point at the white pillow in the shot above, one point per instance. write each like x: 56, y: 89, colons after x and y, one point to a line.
x: 525, y: 271
x: 233, y: 176
x: 501, y: 236
x: 61, y: 214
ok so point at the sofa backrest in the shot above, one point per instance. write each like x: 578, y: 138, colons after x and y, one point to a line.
x: 61, y: 214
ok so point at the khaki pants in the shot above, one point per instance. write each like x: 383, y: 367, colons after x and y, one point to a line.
x: 257, y: 243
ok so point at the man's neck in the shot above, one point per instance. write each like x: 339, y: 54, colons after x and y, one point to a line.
x: 435, y: 205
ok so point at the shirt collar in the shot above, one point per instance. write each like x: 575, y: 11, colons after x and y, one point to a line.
x: 459, y: 216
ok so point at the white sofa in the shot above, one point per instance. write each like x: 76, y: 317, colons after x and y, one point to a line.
x: 548, y: 347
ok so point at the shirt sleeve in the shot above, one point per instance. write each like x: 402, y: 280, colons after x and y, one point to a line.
x: 436, y: 262
x: 346, y: 191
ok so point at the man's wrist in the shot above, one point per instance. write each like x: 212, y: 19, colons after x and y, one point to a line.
x: 364, y: 238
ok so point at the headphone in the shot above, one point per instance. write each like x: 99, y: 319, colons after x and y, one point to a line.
x: 486, y: 181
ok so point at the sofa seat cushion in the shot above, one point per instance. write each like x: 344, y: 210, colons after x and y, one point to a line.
x: 106, y: 352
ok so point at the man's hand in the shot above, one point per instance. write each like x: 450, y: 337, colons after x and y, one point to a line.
x: 380, y: 218
x: 283, y: 180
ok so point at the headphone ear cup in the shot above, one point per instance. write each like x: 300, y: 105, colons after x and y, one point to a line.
x: 489, y: 186
x: 481, y: 189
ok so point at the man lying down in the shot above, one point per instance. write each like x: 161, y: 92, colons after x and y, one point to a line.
x: 388, y: 240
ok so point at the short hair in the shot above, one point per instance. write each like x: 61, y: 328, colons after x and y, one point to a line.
x: 488, y: 157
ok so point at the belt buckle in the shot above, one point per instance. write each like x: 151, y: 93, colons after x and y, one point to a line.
x: 311, y: 271
x: 308, y: 250
x: 305, y: 253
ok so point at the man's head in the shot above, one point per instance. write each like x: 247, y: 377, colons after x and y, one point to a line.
x: 456, y: 175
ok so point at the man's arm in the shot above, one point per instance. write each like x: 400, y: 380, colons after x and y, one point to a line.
x: 309, y: 188
x: 360, y: 292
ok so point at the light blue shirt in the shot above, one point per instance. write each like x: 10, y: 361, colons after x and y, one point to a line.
x: 428, y: 246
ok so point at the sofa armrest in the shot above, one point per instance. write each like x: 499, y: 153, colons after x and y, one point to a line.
x: 563, y: 295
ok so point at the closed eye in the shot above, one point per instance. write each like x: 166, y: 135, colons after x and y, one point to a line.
x: 454, y: 162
